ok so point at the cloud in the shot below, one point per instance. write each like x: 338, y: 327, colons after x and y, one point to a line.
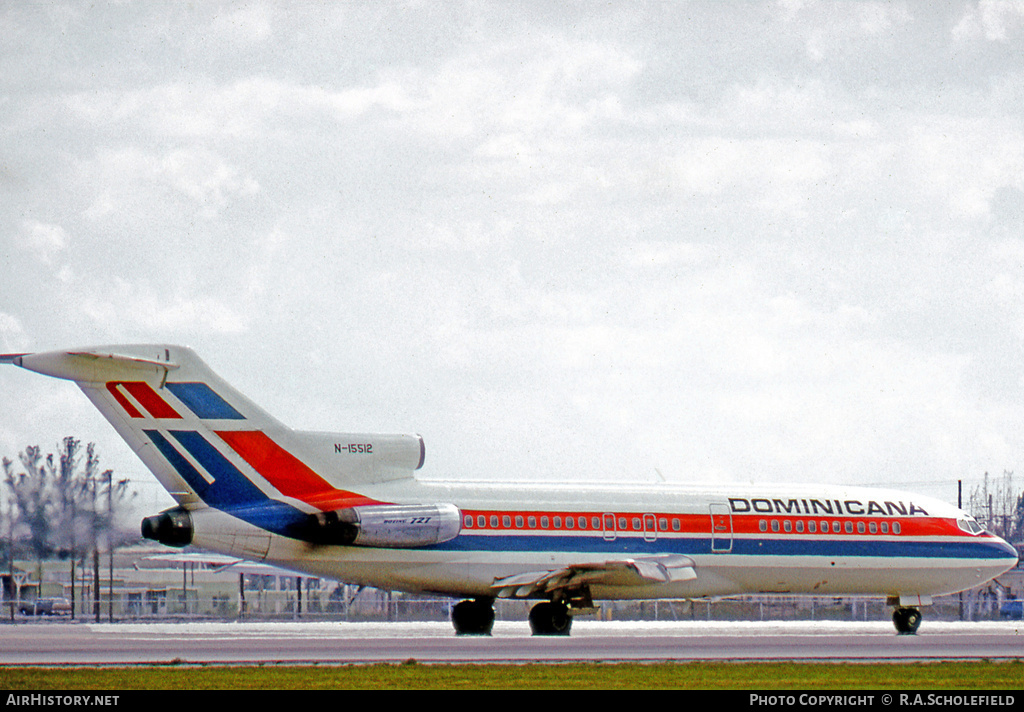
x: 119, y: 306
x: 244, y: 25
x: 567, y: 240
x: 992, y: 20
x: 241, y: 109
x: 120, y: 179
x: 43, y: 240
x: 12, y: 334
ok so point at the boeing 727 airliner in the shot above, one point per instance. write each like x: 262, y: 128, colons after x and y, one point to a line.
x: 350, y: 507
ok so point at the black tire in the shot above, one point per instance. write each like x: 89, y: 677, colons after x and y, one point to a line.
x: 906, y: 620
x: 550, y: 619
x: 473, y: 617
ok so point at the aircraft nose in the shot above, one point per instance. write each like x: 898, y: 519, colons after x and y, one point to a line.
x: 1006, y: 549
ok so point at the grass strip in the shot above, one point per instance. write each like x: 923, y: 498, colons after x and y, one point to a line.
x: 567, y: 676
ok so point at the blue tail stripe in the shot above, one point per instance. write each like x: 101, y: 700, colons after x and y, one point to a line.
x: 230, y: 491
x: 183, y: 467
x: 204, y: 401
x: 230, y: 488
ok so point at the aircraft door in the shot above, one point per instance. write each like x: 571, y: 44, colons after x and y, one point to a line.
x: 650, y: 528
x: 721, y: 528
x: 609, y: 526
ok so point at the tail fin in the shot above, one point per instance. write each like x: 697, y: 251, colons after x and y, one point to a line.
x: 208, y: 444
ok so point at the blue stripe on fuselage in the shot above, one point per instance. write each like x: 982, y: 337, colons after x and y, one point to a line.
x: 839, y: 548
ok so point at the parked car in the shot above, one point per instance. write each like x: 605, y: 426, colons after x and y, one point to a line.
x: 52, y: 606
x: 1012, y: 609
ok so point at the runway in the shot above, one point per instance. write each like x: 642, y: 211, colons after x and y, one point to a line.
x: 63, y: 643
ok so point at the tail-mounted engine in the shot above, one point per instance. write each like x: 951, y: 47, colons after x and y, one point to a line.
x: 171, y: 528
x: 377, y: 525
x: 387, y: 525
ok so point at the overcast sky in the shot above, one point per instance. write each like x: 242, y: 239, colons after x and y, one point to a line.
x: 719, y: 241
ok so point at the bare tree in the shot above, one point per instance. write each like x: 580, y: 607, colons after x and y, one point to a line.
x: 997, y: 504
x: 62, y: 506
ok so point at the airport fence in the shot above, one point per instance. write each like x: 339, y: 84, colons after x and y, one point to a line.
x: 130, y: 592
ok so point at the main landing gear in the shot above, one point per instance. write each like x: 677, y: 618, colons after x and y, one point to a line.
x: 906, y: 620
x: 476, y: 617
x: 550, y: 618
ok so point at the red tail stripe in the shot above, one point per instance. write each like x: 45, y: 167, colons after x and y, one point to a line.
x: 132, y: 411
x: 149, y: 399
x: 286, y: 472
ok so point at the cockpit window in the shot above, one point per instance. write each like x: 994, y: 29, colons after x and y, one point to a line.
x: 970, y: 525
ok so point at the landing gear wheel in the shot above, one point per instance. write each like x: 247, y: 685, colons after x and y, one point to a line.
x: 549, y: 618
x: 906, y: 620
x: 474, y: 617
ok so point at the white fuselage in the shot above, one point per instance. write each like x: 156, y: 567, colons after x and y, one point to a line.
x: 743, y: 540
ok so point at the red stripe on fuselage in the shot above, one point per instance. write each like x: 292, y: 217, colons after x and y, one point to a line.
x: 287, y: 473
x: 669, y: 524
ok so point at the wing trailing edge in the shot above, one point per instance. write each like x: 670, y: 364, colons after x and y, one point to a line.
x: 639, y: 571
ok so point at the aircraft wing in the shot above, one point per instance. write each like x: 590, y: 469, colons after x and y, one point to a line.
x: 639, y: 571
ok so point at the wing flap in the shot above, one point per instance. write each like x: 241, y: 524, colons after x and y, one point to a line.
x: 640, y: 571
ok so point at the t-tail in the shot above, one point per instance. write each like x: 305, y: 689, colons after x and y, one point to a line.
x: 218, y: 453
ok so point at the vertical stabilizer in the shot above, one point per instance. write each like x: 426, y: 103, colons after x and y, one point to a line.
x: 211, y: 447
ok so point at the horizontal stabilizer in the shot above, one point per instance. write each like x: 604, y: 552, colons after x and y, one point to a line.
x: 98, y: 365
